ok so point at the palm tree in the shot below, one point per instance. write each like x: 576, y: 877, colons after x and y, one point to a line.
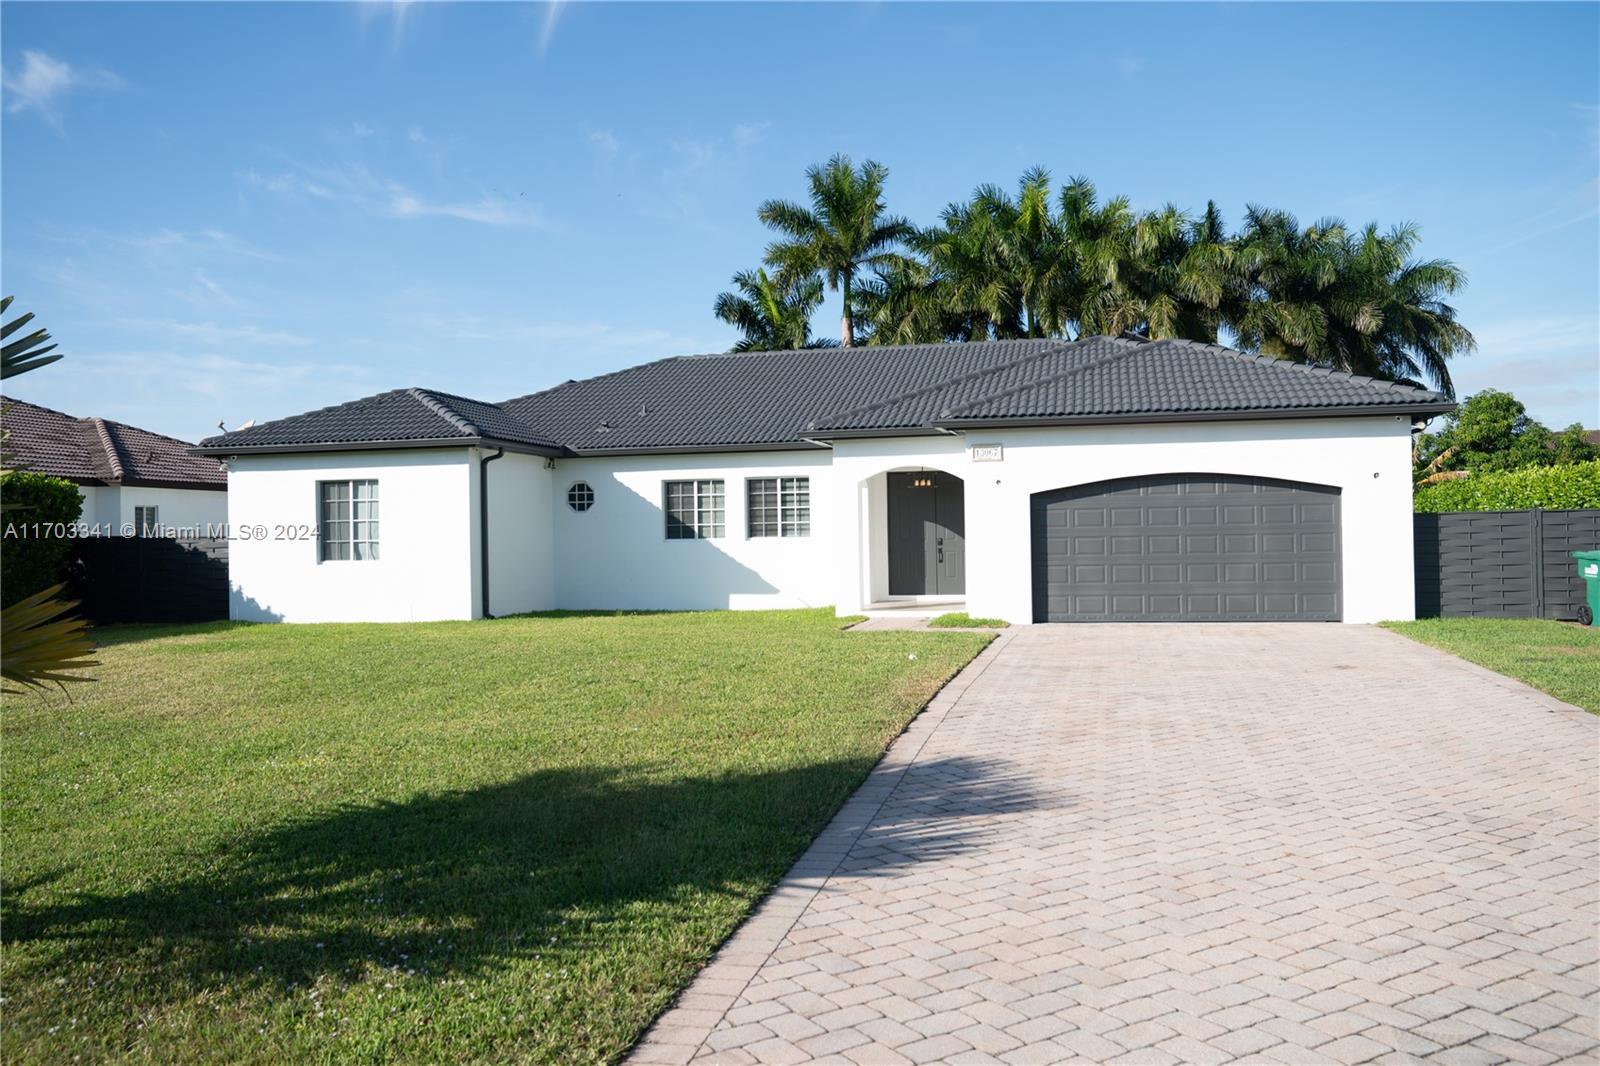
x: 1100, y: 242
x: 40, y: 642
x: 773, y: 315
x: 26, y: 353
x: 906, y: 301
x: 1389, y: 317
x: 844, y: 231
x: 964, y: 252
x: 1355, y: 302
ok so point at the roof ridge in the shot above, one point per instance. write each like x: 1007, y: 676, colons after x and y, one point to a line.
x: 8, y: 400
x: 863, y: 349
x: 307, y: 414
x: 13, y: 400
x: 866, y: 349
x: 1289, y: 365
x: 112, y: 452
x: 583, y: 381
x: 1110, y: 357
x: 151, y: 432
x: 433, y: 403
x: 1052, y: 346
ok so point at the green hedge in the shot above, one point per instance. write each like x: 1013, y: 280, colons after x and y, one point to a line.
x: 32, y: 551
x: 1565, y: 488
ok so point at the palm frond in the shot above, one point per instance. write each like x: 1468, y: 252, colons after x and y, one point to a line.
x: 40, y: 645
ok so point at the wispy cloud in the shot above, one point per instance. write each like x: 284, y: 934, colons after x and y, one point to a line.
x: 45, y: 81
x: 395, y: 13
x: 1574, y: 209
x: 185, y: 393
x: 553, y: 10
x: 489, y: 210
x: 356, y: 185
x: 200, y: 241
x: 1548, y: 361
x: 748, y: 133
x: 605, y: 143
x: 698, y: 169
x: 215, y: 334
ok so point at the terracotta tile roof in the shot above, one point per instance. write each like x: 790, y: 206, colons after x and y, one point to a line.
x: 98, y: 451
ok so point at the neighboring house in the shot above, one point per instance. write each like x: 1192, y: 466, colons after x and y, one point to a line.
x: 1031, y: 480
x: 132, y: 480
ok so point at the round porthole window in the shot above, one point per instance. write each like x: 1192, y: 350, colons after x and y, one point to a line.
x: 580, y: 497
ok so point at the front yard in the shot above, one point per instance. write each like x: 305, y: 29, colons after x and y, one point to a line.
x: 456, y: 841
x: 1553, y: 657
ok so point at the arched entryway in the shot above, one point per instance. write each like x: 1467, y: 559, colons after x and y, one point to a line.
x: 927, y: 530
x: 1187, y: 547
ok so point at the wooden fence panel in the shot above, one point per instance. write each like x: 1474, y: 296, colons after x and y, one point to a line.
x: 1501, y: 564
x: 151, y: 579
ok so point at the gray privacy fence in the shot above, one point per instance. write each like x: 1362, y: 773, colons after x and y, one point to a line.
x: 1502, y: 564
x: 150, y: 579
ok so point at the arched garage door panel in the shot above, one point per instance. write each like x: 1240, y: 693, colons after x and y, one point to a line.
x: 1186, y: 547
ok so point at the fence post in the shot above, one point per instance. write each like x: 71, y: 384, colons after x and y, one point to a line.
x: 1537, y: 531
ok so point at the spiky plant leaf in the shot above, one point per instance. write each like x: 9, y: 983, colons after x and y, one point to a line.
x: 38, y: 646
x: 27, y: 353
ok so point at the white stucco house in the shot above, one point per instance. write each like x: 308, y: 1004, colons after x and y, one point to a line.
x: 133, y: 482
x: 1032, y: 480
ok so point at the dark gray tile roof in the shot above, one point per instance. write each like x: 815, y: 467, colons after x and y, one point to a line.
x: 1109, y: 377
x: 398, y: 416
x: 785, y: 399
x: 99, y: 451
x: 760, y: 398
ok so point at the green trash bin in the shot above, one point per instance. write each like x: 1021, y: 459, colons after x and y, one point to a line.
x: 1589, y: 570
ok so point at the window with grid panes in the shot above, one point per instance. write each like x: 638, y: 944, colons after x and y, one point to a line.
x: 348, y: 520
x: 779, y: 506
x: 695, y: 509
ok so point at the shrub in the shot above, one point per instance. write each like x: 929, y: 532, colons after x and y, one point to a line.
x: 1570, y: 487
x: 29, y: 561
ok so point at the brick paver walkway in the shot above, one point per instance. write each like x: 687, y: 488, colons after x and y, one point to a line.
x: 1292, y: 843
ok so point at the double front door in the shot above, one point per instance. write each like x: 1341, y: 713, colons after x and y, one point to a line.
x: 927, y: 533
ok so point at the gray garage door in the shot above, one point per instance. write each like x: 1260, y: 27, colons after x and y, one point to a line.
x: 1186, y: 547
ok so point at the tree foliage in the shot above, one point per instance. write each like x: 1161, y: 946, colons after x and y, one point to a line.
x: 772, y: 313
x: 845, y: 230
x: 40, y: 642
x: 28, y: 561
x: 29, y: 351
x: 1047, y: 262
x: 1492, y: 431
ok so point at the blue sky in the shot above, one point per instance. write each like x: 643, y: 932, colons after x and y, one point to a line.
x: 235, y: 211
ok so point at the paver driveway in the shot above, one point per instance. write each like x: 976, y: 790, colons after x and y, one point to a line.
x: 1302, y: 843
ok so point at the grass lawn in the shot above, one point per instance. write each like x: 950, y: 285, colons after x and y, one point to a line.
x: 1555, y: 657
x: 963, y: 620
x: 477, y: 841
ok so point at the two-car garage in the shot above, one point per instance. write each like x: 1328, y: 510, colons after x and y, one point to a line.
x: 1187, y: 547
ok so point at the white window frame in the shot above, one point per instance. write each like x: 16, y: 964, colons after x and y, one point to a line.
x: 791, y: 509
x: 710, y: 512
x: 353, y: 545
x: 147, y: 520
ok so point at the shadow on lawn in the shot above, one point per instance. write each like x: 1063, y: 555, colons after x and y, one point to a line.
x: 452, y: 883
